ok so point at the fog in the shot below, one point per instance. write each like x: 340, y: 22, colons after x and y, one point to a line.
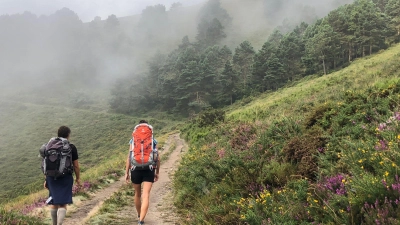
x: 87, y: 9
x: 71, y: 54
x: 51, y: 52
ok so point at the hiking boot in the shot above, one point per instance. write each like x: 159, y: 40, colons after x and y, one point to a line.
x: 140, y: 222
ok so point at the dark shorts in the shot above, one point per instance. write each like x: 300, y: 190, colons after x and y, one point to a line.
x: 139, y: 176
x: 60, y: 190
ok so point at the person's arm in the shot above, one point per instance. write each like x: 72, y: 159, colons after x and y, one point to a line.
x: 127, y: 168
x: 77, y: 172
x: 156, y: 176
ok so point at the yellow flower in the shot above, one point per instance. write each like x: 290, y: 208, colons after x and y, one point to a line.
x: 386, y: 173
x: 315, y: 200
x: 398, y: 136
x: 360, y: 161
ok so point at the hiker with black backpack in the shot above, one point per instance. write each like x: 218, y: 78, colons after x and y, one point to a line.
x: 142, y: 166
x: 60, y: 160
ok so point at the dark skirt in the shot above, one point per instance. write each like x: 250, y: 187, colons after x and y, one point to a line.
x: 60, y: 190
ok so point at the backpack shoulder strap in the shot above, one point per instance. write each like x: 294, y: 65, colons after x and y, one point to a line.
x: 131, y: 144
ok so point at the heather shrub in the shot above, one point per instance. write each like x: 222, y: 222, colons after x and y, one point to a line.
x: 302, y: 151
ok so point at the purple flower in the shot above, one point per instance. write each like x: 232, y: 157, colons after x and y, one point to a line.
x: 82, y: 188
x: 382, y: 145
x: 221, y: 153
x: 335, y: 184
x: 382, y: 126
x: 255, y: 189
x: 397, y: 116
x: 37, y: 204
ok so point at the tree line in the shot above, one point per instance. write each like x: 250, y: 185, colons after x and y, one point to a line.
x: 201, y: 73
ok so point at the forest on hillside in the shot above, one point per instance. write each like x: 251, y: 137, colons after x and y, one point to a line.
x: 202, y: 72
x: 39, y: 51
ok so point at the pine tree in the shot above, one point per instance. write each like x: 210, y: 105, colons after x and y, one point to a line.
x: 260, y: 66
x: 242, y: 62
x: 381, y: 4
x: 229, y: 81
x: 210, y: 33
x: 291, y: 51
x: 213, y: 10
x: 274, y: 76
x: 392, y: 10
x: 323, y: 45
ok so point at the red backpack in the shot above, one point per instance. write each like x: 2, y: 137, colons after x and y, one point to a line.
x: 142, y: 154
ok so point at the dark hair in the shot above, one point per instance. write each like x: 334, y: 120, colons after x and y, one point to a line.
x: 143, y: 121
x: 64, y: 131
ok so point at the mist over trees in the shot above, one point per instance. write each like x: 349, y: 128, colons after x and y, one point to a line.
x: 184, y: 59
x: 205, y: 73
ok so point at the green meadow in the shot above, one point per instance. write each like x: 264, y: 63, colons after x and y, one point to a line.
x: 26, y: 126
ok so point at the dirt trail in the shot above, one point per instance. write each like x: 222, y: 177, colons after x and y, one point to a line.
x: 161, y: 206
x: 87, y: 208
x: 161, y: 209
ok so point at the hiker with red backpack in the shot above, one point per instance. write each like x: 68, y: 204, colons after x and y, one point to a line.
x: 142, y: 166
x: 59, y: 161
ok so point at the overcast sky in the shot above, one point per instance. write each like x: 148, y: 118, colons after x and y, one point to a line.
x: 86, y: 9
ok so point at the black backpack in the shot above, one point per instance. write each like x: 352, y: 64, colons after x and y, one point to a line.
x: 57, y: 158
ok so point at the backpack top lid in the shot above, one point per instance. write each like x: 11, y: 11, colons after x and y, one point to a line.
x: 142, y: 125
x: 57, y: 142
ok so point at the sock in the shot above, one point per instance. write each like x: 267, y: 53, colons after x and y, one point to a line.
x: 61, y: 215
x: 53, y: 213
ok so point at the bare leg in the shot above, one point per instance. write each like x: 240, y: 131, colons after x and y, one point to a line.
x: 145, y: 197
x: 138, y: 194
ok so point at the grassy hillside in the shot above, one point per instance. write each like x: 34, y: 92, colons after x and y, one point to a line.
x: 24, y: 127
x: 323, y: 150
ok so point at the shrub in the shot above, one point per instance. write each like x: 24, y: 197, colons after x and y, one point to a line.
x: 303, y: 150
x: 317, y: 114
x: 210, y: 117
x: 243, y: 136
